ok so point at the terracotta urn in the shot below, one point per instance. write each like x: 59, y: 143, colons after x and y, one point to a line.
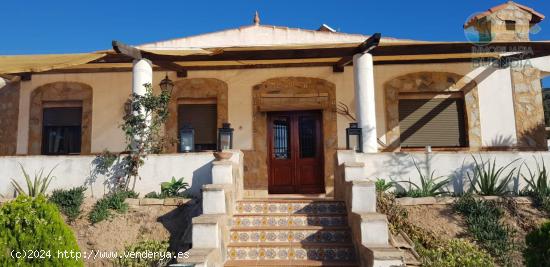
x: 221, y: 155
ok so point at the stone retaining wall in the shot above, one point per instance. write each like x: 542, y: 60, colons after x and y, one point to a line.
x: 409, y: 201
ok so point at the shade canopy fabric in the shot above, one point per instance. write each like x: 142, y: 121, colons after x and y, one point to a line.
x: 328, y: 54
x: 39, y: 63
x: 182, y: 52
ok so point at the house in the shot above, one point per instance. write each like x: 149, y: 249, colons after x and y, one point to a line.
x: 290, y: 94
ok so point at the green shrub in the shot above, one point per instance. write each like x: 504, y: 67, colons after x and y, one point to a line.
x: 30, y: 224
x: 456, y: 253
x: 115, y: 201
x: 153, y: 194
x: 69, y: 201
x: 483, y: 219
x: 538, y: 186
x: 545, y: 204
x: 488, y: 180
x: 36, y: 186
x: 430, y: 186
x: 173, y: 188
x: 141, y: 248
x: 538, y: 182
x: 100, y: 211
x: 131, y: 194
x: 537, y: 251
x: 102, y: 208
x: 382, y: 185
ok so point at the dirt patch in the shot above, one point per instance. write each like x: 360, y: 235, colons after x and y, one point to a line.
x: 166, y: 223
x: 440, y: 219
x: 447, y: 224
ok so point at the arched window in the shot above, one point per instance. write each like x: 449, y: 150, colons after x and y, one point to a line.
x: 60, y: 120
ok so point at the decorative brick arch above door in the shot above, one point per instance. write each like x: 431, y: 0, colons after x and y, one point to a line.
x: 310, y: 94
x: 194, y: 88
x: 443, y: 82
x: 60, y: 92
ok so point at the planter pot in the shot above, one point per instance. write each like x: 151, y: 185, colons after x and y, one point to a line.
x: 222, y: 155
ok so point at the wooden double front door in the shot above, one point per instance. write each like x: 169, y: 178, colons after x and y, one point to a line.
x: 295, y: 147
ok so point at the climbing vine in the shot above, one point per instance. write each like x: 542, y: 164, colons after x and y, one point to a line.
x: 142, y: 123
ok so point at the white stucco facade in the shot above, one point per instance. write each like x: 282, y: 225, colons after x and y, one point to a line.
x: 498, y: 127
x: 111, y: 90
x: 73, y: 171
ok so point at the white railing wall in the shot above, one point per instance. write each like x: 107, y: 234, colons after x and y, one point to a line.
x: 457, y: 165
x: 72, y: 171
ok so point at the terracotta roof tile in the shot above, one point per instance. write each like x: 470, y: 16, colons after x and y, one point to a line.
x: 537, y: 16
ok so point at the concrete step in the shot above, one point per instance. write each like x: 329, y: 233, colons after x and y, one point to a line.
x: 283, y: 220
x: 309, y: 234
x: 290, y: 206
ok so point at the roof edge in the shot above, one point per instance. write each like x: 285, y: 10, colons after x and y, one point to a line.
x: 537, y: 16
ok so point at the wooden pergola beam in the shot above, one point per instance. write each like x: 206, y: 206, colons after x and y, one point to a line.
x: 180, y: 71
x: 126, y: 50
x: 366, y: 46
x: 345, y: 53
x: 135, y: 53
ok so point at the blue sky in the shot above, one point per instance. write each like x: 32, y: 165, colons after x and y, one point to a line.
x: 63, y: 26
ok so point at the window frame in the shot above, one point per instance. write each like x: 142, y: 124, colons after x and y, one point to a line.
x: 437, y: 95
x: 47, y: 128
x: 199, y: 101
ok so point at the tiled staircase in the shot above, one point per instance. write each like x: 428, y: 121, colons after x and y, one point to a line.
x: 290, y: 232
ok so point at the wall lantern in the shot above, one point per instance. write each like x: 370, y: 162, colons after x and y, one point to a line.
x: 225, y: 137
x: 166, y: 85
x: 354, y: 138
x: 187, y: 138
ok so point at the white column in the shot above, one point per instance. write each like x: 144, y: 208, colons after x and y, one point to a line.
x: 142, y: 73
x: 3, y: 82
x: 363, y: 72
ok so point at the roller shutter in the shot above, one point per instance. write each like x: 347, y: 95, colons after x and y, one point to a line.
x: 436, y: 122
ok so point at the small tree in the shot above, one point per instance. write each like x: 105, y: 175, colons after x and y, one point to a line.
x: 142, y: 128
x: 142, y: 124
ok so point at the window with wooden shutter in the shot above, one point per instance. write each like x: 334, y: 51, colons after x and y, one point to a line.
x: 61, y: 130
x: 203, y: 118
x: 437, y: 121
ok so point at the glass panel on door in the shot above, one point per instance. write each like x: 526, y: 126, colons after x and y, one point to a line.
x: 308, y: 137
x: 281, y: 138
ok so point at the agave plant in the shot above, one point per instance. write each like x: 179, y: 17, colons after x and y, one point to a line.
x: 488, y: 180
x: 36, y: 186
x: 537, y: 182
x: 383, y: 186
x: 430, y: 185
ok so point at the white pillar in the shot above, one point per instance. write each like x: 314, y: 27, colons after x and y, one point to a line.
x: 142, y: 73
x: 3, y: 82
x: 363, y: 72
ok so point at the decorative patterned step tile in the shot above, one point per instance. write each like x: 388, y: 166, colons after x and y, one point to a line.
x: 289, y: 220
x: 291, y: 235
x: 279, y: 263
x: 299, y: 252
x: 295, y: 207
